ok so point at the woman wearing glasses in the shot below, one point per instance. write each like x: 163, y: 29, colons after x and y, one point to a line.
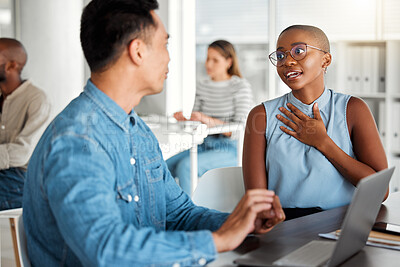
x: 224, y: 97
x: 312, y: 145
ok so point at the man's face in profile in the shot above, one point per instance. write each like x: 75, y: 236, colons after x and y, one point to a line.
x: 157, y: 57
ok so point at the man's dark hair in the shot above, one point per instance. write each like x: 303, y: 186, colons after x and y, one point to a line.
x: 107, y: 26
x: 317, y: 33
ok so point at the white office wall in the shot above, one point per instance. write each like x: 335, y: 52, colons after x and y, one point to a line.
x: 50, y: 32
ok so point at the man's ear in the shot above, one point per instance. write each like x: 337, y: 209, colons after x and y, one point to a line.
x: 326, y: 60
x: 136, y: 51
x: 10, y: 65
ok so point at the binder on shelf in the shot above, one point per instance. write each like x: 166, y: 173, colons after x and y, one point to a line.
x: 357, y: 58
x: 374, y: 70
x: 349, y: 69
x: 382, y: 71
x: 366, y: 69
x: 396, y: 128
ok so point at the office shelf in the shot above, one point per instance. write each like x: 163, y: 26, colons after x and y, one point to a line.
x: 370, y: 70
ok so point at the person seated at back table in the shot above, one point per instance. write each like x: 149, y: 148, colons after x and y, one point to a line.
x: 24, y: 113
x: 312, y: 145
x: 225, y: 97
x: 98, y: 192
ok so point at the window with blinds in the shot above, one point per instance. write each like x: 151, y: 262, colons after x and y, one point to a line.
x: 391, y: 20
x: 238, y: 21
x: 339, y: 19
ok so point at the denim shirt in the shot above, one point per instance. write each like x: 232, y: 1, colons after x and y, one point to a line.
x: 98, y: 193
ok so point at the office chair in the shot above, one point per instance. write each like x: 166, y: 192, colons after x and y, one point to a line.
x: 220, y: 189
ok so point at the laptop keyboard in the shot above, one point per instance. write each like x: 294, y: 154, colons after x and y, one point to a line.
x: 314, y: 253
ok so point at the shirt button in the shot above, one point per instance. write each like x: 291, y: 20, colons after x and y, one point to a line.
x: 136, y: 198
x: 3, y: 127
x: 176, y: 265
x: 133, y: 161
x: 129, y: 198
x: 202, y: 261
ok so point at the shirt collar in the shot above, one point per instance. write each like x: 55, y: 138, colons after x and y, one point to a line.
x: 19, y: 90
x: 307, y: 109
x: 109, y: 106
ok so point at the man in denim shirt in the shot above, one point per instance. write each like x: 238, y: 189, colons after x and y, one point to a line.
x: 98, y: 192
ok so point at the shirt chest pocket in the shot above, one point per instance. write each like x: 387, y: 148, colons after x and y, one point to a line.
x: 154, y: 172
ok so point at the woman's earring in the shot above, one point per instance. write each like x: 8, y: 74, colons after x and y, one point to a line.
x: 326, y: 70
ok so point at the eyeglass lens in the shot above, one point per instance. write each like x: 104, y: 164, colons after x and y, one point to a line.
x: 298, y: 52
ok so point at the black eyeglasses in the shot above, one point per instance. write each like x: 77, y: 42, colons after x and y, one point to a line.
x: 298, y: 52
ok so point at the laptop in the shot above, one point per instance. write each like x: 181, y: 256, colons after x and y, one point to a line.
x: 355, y: 230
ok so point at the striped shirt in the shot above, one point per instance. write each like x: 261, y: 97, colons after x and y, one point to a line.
x: 229, y: 101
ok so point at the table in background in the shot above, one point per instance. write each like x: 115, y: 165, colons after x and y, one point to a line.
x: 309, y: 227
x: 175, y: 137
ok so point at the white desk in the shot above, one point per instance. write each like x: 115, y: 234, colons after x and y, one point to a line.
x: 175, y: 137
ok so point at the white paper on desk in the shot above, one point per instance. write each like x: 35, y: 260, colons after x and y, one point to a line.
x: 374, y: 242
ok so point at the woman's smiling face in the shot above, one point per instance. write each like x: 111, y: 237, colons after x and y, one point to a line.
x: 298, y: 74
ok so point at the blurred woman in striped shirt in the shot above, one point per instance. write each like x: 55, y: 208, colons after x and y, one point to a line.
x: 225, y: 97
